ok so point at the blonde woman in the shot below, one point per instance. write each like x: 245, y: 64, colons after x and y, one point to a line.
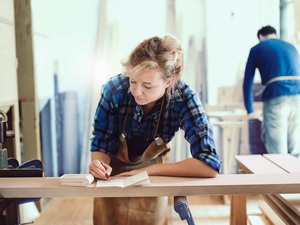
x: 139, y: 112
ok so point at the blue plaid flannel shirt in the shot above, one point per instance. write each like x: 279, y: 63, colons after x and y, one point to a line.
x: 182, y: 109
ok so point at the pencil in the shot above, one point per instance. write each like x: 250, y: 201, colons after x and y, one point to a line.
x: 106, y: 174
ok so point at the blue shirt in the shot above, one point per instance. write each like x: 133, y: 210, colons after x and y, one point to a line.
x: 273, y: 58
x: 182, y: 109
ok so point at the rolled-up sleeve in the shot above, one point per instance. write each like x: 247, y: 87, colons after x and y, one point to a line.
x: 199, y: 132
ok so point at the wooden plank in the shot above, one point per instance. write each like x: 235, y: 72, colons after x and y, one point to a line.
x: 26, y: 81
x: 229, y: 184
x: 282, y: 211
x: 255, y: 220
x: 258, y: 164
x: 288, y: 203
x: 271, y: 215
x: 294, y: 198
x: 277, y: 210
x: 288, y: 162
x: 30, y: 131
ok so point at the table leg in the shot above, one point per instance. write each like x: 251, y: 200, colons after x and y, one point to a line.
x: 238, y: 210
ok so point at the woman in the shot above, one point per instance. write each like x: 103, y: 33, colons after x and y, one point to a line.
x: 138, y: 113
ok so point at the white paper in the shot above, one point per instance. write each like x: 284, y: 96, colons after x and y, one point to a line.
x: 137, y: 179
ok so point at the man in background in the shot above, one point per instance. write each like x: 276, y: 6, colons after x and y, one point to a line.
x: 279, y: 67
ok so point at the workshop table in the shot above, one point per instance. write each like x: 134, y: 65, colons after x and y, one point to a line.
x: 224, y: 184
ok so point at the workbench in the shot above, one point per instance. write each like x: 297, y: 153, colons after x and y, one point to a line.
x: 224, y: 184
x: 229, y: 184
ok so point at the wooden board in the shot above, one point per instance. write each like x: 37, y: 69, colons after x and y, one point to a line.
x: 258, y: 164
x: 277, y: 207
x: 271, y: 215
x: 256, y: 220
x: 287, y: 162
x: 285, y: 206
x: 229, y: 184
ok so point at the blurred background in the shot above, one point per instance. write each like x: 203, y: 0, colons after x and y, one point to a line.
x: 55, y: 55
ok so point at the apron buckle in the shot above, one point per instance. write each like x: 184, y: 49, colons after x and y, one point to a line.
x: 123, y: 136
x: 158, y: 140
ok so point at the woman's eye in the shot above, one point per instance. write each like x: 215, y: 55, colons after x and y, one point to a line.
x: 147, y: 87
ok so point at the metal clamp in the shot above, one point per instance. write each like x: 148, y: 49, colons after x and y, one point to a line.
x: 182, y: 208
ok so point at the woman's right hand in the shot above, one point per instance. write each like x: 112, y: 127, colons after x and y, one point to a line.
x: 100, y: 169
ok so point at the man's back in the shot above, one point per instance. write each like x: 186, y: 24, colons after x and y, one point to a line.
x: 274, y: 58
x: 279, y: 67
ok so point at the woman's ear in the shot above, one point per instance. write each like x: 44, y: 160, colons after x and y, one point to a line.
x: 170, y: 81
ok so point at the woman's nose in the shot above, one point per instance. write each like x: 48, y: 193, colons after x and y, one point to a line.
x: 137, y: 90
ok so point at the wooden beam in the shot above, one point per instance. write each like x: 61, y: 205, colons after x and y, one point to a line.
x: 29, y: 116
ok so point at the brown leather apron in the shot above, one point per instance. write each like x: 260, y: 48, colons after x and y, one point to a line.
x: 137, y: 210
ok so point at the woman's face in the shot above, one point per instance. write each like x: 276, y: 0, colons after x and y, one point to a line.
x: 149, y: 87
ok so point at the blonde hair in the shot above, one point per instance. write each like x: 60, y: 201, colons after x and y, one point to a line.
x: 163, y: 54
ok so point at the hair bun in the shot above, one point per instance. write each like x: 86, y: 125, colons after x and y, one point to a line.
x: 154, y: 42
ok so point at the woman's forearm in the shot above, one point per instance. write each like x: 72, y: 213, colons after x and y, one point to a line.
x: 187, y: 168
x: 101, y: 157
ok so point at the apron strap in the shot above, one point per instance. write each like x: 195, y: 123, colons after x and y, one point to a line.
x: 276, y: 79
x: 123, y: 133
x: 158, y: 119
x: 155, y: 149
